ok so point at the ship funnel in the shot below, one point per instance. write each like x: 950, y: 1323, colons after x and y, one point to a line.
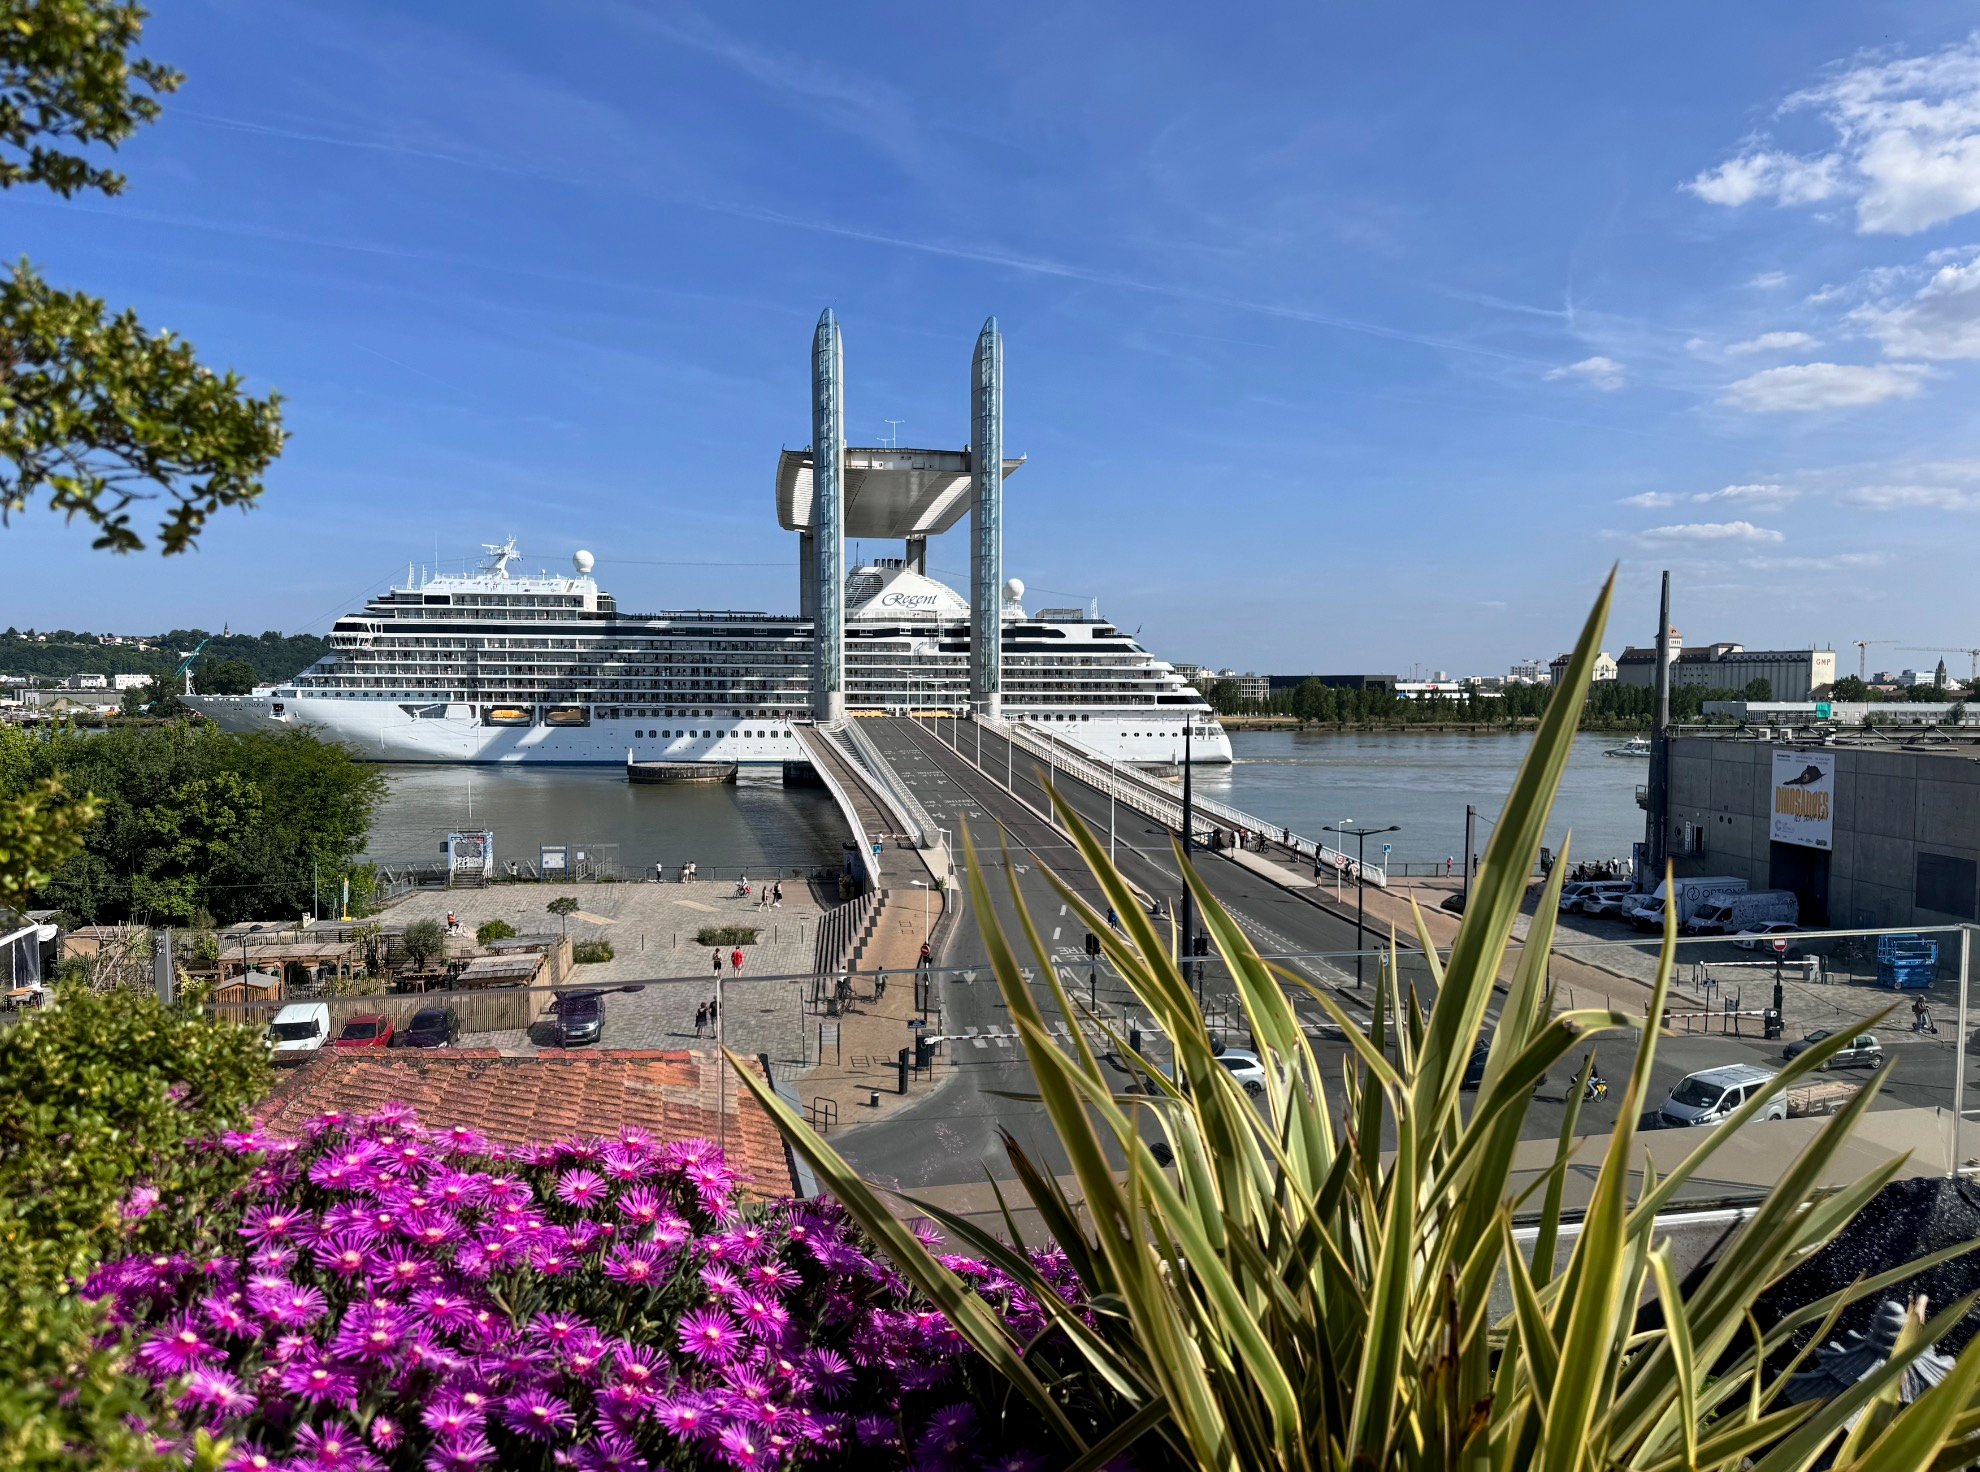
x: 986, y: 553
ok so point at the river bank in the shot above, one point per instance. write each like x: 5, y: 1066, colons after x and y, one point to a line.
x: 1524, y: 726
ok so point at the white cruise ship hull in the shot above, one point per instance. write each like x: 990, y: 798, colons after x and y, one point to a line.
x: 382, y: 731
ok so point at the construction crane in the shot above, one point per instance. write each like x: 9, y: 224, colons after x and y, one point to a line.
x: 1862, y: 658
x: 185, y: 669
x: 1972, y: 655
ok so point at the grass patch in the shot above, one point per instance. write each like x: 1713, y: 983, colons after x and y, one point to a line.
x: 588, y: 952
x: 726, y: 935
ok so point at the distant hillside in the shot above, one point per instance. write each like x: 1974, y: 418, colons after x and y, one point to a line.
x: 273, y: 655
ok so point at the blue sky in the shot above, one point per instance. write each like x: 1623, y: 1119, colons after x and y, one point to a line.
x: 1339, y: 337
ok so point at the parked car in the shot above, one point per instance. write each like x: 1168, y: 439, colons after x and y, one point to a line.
x: 298, y: 1032
x: 1583, y: 892
x: 1607, y: 902
x: 580, y: 1016
x: 1453, y: 902
x: 366, y: 1030
x: 432, y: 1027
x: 1761, y: 937
x: 1474, y: 1071
x: 1861, y: 1051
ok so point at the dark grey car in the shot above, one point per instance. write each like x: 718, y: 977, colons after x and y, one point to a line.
x: 1861, y: 1051
x: 580, y: 1017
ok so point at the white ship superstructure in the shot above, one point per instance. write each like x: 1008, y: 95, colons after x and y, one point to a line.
x: 498, y: 667
x: 493, y: 667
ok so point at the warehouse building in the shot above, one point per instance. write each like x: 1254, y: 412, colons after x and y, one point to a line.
x: 1868, y: 829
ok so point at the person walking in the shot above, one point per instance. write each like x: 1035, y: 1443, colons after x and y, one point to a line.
x: 736, y: 960
x: 777, y: 895
x: 926, y: 959
x: 714, y: 1010
x: 718, y: 963
x: 701, y: 1020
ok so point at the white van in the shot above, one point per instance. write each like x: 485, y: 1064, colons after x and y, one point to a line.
x: 1710, y: 1095
x: 298, y: 1033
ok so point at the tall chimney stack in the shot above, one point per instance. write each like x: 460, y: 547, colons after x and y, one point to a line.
x: 828, y: 537
x: 986, y: 529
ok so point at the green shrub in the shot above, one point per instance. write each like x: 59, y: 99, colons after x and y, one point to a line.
x: 589, y: 952
x: 97, y: 1093
x: 423, y: 940
x: 490, y: 931
x: 726, y: 935
x: 1316, y: 1282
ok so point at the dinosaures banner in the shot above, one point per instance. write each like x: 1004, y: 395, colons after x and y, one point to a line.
x: 1804, y: 810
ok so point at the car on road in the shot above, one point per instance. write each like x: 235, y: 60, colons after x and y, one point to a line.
x: 432, y: 1027
x: 366, y: 1030
x: 580, y: 1016
x: 1861, y: 1051
x: 1710, y: 1095
x: 1245, y: 1068
x: 1762, y: 937
x: 298, y: 1033
x: 1453, y: 902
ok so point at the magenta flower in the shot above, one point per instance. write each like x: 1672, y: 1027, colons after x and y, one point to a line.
x: 247, y: 1457
x: 224, y: 1315
x: 291, y: 1305
x: 369, y: 1335
x: 537, y: 1414
x: 741, y: 1446
x: 452, y: 1418
x: 333, y: 1448
x: 710, y: 1336
x: 636, y: 1265
x: 176, y: 1348
x: 348, y: 1254
x: 611, y: 1453
x: 460, y: 1454
x: 641, y: 1205
x: 385, y: 1433
x: 764, y: 1318
x: 685, y: 1415
x: 217, y: 1391
x: 443, y: 1309
x: 319, y: 1384
x: 581, y: 1188
x: 140, y: 1203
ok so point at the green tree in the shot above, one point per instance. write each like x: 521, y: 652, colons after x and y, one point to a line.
x: 422, y: 941
x: 97, y: 1093
x: 153, y: 698
x: 563, y: 907
x: 224, y: 677
x: 1759, y: 688
x: 96, y: 413
x: 490, y: 931
x: 1852, y: 689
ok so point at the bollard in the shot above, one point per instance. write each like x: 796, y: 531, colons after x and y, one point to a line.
x: 901, y: 1063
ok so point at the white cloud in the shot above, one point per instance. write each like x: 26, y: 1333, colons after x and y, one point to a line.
x: 1599, y: 372
x: 1773, y: 342
x: 1907, y: 145
x: 1913, y: 498
x: 1750, y: 495
x: 1650, y: 500
x: 1942, y: 320
x: 1714, y: 531
x: 1768, y: 281
x: 1838, y: 562
x: 1805, y: 387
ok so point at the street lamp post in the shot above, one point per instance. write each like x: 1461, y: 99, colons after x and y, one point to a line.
x: 1187, y: 936
x: 1361, y: 837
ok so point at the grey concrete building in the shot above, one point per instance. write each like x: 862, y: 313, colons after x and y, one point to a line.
x: 1867, y: 830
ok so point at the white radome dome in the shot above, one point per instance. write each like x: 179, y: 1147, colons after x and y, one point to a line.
x: 1014, y: 589
x: 583, y: 562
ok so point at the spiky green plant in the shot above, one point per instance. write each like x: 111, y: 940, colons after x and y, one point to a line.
x: 1309, y: 1291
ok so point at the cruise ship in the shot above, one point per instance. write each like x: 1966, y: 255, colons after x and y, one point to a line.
x: 499, y: 667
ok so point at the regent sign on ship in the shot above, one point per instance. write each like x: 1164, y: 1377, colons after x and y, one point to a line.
x: 497, y: 667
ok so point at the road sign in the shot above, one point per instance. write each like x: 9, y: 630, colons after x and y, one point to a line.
x: 1780, y: 946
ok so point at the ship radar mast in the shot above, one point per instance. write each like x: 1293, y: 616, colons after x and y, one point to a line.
x: 500, y: 555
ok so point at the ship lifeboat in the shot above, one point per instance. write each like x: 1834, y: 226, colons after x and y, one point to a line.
x: 507, y: 715
x: 566, y: 715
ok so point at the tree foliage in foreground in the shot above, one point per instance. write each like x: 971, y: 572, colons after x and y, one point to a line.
x: 97, y: 1095
x: 193, y: 821
x: 1309, y: 1286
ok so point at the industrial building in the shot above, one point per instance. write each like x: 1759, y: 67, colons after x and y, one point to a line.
x: 1867, y: 828
x: 1791, y: 674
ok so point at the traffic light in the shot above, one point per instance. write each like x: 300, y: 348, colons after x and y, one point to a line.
x: 1092, y: 944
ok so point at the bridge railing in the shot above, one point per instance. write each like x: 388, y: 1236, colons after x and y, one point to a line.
x: 907, y: 807
x: 1143, y: 793
x: 811, y: 737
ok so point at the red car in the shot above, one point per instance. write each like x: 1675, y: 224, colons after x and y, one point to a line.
x: 367, y: 1030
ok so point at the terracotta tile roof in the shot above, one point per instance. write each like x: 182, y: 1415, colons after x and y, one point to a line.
x: 530, y: 1098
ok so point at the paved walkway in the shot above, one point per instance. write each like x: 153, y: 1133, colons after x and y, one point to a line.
x: 650, y: 926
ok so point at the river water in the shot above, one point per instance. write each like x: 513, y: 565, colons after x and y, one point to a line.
x: 1421, y: 782
x: 1301, y: 779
